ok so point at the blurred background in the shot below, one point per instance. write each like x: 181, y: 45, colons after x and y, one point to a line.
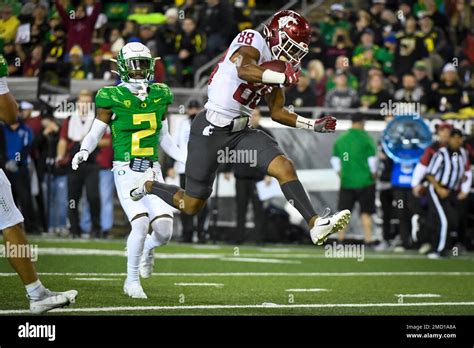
x: 364, y: 56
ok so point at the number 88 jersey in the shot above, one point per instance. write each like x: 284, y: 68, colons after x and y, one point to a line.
x: 135, y: 124
x: 229, y: 95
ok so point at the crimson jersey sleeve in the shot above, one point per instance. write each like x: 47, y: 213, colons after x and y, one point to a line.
x: 427, y: 155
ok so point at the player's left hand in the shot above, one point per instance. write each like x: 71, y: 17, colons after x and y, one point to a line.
x: 326, y: 124
x: 78, y: 158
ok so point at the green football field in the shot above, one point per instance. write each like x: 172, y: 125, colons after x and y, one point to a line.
x: 248, y: 280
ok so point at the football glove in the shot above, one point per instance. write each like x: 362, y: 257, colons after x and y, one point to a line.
x: 326, y: 124
x: 78, y: 158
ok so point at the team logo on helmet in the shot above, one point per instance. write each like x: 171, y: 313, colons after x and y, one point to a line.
x: 284, y: 22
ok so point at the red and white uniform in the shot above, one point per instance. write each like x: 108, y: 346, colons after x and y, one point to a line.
x: 230, y: 96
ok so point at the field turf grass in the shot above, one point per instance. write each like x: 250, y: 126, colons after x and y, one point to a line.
x: 250, y: 280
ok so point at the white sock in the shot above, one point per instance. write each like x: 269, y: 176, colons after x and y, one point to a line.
x: 35, y: 290
x: 161, y: 235
x: 135, y: 243
x: 3, y: 86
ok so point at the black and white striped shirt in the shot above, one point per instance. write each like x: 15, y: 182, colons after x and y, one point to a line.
x: 449, y: 167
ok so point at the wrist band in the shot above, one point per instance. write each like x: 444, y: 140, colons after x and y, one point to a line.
x: 304, y: 123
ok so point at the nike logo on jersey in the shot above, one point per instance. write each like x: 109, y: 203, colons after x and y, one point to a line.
x: 157, y: 100
x: 208, y: 131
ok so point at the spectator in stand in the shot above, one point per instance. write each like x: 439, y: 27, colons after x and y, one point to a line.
x: 166, y: 36
x: 404, y: 12
x: 386, y: 54
x: 422, y: 79
x: 301, y: 95
x: 343, y: 64
x: 342, y: 96
x: 54, y: 184
x: 216, y: 23
x: 73, y: 131
x: 18, y: 140
x: 114, y: 43
x: 384, y: 176
x: 79, y: 27
x: 189, y: 45
x: 106, y: 190
x: 317, y: 47
x: 318, y: 80
x: 9, y: 23
x: 100, y: 68
x: 336, y: 18
x: 434, y: 40
x: 461, y: 21
x: 191, y: 9
x: 375, y: 94
x: 32, y: 65
x: 11, y: 56
x: 410, y: 92
x: 354, y: 159
x: 55, y: 50
x: 376, y: 10
x: 78, y: 71
x: 362, y: 23
x: 440, y: 20
x: 147, y: 37
x: 130, y: 30
x: 448, y: 94
x: 366, y: 53
x: 410, y: 48
x: 341, y: 45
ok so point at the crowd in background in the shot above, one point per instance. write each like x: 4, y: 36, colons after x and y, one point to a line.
x: 419, y: 51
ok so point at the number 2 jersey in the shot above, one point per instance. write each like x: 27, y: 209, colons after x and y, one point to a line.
x: 230, y: 96
x: 135, y: 124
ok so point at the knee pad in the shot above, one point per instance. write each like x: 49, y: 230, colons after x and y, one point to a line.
x: 162, y: 229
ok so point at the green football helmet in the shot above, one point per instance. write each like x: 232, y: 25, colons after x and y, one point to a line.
x: 135, y: 63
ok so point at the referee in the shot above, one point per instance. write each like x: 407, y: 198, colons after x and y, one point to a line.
x: 449, y: 175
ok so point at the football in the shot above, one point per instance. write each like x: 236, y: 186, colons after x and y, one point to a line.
x: 275, y: 65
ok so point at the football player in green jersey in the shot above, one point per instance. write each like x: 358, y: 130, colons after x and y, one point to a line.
x: 136, y: 110
x: 11, y: 223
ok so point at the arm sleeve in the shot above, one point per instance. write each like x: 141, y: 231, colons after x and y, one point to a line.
x: 418, y: 174
x: 336, y: 163
x: 372, y: 160
x: 62, y: 13
x: 169, y: 146
x: 93, y: 137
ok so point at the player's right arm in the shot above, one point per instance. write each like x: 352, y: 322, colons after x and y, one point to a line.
x: 91, y: 140
x: 246, y: 59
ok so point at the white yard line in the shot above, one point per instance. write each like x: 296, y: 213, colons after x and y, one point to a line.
x: 216, y: 285
x: 97, y: 279
x: 271, y: 252
x: 259, y: 306
x: 257, y: 274
x: 417, y: 295
x: 306, y: 290
x: 258, y: 260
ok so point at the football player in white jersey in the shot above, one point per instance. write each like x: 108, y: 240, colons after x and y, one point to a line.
x: 41, y: 299
x: 235, y: 88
